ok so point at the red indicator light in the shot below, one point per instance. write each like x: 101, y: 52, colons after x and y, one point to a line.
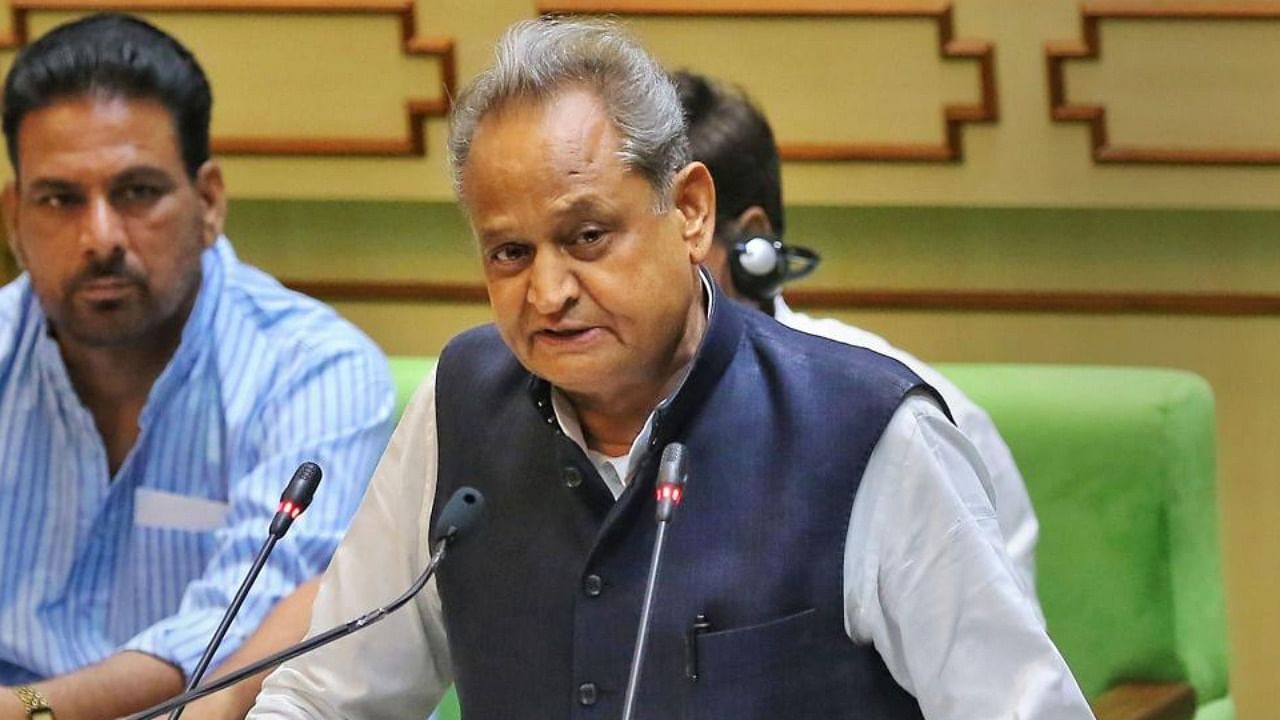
x: 670, y: 493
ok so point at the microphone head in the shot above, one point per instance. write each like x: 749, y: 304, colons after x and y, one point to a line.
x: 460, y: 514
x: 673, y: 473
x: 302, y: 487
x: 296, y: 497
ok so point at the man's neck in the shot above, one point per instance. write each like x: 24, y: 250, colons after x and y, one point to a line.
x: 114, y: 382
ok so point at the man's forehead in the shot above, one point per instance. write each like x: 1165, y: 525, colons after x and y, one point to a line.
x: 568, y: 132
x: 96, y: 131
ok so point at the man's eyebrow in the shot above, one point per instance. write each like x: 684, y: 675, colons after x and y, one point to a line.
x: 493, y: 236
x: 55, y: 186
x: 52, y: 184
x: 143, y: 172
x: 581, y: 204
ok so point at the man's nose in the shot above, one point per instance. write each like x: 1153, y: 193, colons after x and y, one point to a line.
x: 102, y: 230
x: 552, y: 284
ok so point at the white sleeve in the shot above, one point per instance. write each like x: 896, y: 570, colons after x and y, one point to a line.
x: 928, y: 582
x: 1014, y: 512
x: 399, y: 667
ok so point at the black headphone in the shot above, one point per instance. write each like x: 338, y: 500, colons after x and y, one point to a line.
x: 761, y: 264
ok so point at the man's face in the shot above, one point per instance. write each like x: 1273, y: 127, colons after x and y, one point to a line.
x: 591, y: 288
x: 106, y: 221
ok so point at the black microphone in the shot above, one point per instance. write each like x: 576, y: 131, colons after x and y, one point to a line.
x: 295, y: 498
x: 463, y: 511
x: 673, y: 473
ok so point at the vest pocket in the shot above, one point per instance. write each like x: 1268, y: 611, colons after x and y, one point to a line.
x: 767, y: 670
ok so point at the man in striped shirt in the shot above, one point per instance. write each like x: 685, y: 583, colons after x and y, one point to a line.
x: 155, y: 393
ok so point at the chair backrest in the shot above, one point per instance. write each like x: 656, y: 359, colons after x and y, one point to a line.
x: 1121, y: 470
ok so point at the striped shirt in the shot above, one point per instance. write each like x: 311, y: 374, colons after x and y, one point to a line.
x: 148, y: 559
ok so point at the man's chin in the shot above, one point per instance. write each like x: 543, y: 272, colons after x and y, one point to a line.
x: 575, y: 374
x: 105, y: 329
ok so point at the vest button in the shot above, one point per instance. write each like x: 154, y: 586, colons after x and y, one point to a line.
x: 588, y: 694
x: 572, y: 477
x: 592, y: 585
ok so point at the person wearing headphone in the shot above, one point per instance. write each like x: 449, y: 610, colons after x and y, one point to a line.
x: 750, y: 261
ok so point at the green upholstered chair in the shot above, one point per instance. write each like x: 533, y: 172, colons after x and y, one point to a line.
x: 1120, y: 466
x: 408, y: 373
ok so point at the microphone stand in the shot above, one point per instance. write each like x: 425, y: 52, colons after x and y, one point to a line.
x: 459, y: 515
x: 672, y: 476
x: 228, y: 617
x: 324, y: 638
x: 295, y: 499
x: 642, y: 634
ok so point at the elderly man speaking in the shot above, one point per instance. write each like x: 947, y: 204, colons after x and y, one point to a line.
x: 610, y: 342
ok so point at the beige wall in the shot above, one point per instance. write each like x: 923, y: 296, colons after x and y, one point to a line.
x: 1168, y: 83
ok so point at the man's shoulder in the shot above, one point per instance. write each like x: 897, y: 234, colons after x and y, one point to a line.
x: 12, y: 297
x: 265, y: 336
x: 254, y: 303
x: 964, y: 409
x: 15, y: 303
x: 823, y: 356
x: 478, y: 353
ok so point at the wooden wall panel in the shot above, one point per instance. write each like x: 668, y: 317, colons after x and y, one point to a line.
x: 950, y: 48
x: 402, y: 12
x: 1059, y: 54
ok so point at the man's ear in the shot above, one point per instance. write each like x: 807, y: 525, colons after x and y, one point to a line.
x: 754, y: 221
x: 695, y: 200
x: 213, y: 198
x: 11, y: 209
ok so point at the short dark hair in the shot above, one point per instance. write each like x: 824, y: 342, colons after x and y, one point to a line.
x: 730, y: 135
x: 118, y: 55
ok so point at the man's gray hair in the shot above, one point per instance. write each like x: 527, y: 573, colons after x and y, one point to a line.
x: 535, y: 59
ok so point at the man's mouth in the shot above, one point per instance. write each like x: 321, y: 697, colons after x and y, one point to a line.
x: 566, y: 335
x: 106, y: 289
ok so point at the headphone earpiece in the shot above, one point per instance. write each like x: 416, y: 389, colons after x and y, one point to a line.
x: 761, y: 264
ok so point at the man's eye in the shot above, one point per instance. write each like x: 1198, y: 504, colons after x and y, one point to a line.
x: 509, y: 254
x: 589, y: 236
x: 56, y: 200
x: 138, y: 193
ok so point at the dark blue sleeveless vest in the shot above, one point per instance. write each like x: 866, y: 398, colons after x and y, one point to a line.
x: 542, y: 602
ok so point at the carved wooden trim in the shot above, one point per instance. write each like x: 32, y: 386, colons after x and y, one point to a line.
x: 955, y: 115
x: 1146, y: 701
x: 1071, y: 303
x: 417, y: 110
x: 1057, y: 54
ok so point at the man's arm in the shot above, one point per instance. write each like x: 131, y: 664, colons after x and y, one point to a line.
x: 333, y: 408
x: 928, y: 581
x: 1017, y: 517
x: 285, y: 626
x: 121, y: 684
x: 398, y: 668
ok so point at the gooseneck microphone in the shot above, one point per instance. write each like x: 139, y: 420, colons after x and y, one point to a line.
x: 673, y: 473
x: 295, y: 499
x: 463, y: 511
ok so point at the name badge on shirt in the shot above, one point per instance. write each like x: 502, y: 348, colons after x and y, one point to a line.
x: 166, y: 510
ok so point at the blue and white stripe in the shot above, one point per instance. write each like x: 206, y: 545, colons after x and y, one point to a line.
x: 263, y: 380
